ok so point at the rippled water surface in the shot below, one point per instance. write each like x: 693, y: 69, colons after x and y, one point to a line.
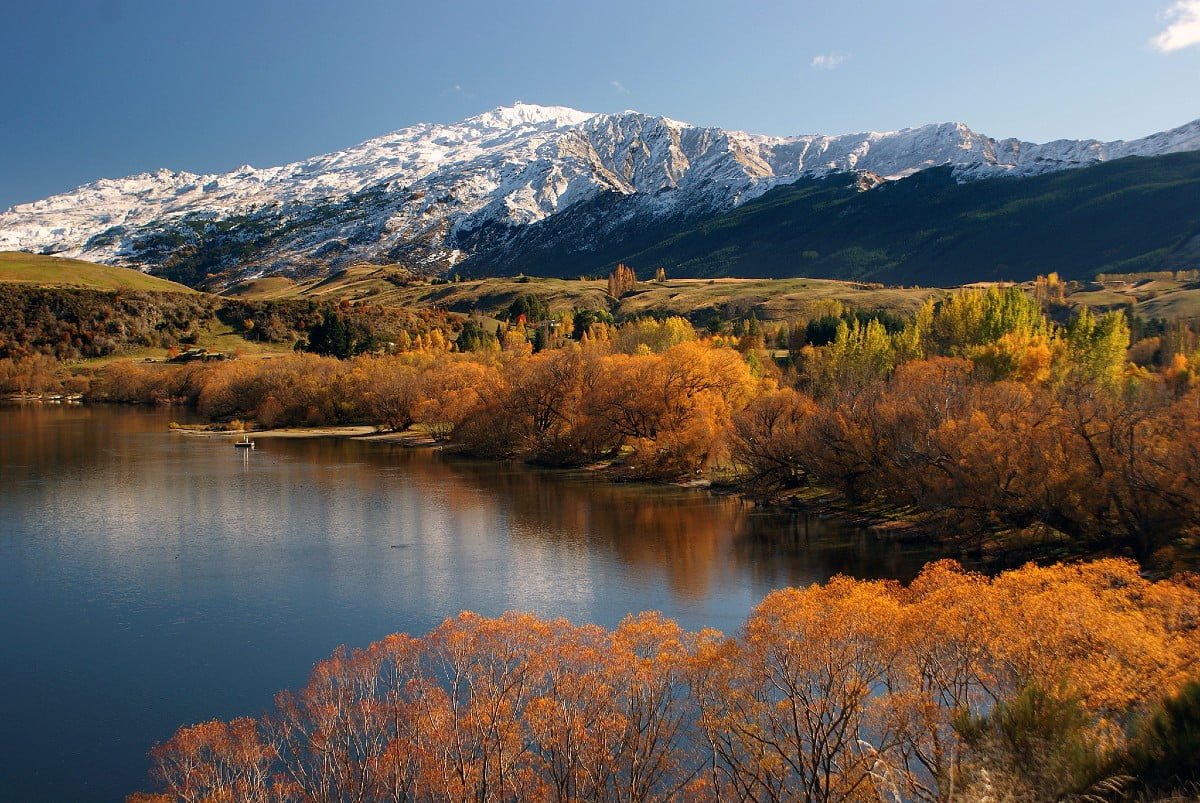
x: 150, y: 579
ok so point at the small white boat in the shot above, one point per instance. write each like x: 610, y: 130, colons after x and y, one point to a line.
x: 245, y: 443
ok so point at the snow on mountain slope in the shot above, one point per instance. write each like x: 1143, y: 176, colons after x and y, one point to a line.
x: 418, y: 194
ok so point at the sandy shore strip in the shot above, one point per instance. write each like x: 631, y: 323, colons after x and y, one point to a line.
x: 364, y: 433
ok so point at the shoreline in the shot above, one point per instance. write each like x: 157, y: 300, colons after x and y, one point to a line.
x: 987, y: 554
x: 821, y: 506
x: 45, y: 398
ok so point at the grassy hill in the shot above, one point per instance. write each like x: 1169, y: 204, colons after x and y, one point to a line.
x: 17, y: 267
x: 1129, y: 215
x: 1152, y: 296
x: 355, y: 282
x: 696, y: 299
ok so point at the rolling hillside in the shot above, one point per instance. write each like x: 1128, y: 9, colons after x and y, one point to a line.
x: 696, y: 299
x: 17, y: 267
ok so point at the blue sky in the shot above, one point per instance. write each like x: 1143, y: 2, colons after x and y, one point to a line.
x: 106, y: 88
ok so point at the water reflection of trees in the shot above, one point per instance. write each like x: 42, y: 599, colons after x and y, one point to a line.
x: 692, y: 542
x: 81, y: 435
x: 692, y: 539
x: 779, y: 549
x: 680, y: 535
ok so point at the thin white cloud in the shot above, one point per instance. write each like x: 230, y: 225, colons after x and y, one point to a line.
x: 828, y: 61
x: 1183, y: 27
x: 619, y: 87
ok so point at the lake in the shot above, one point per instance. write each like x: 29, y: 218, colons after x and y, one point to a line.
x: 150, y: 579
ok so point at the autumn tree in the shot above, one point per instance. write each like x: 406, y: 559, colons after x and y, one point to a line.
x: 1097, y: 346
x: 1049, y: 289
x: 787, y: 708
x: 36, y: 374
x: 971, y: 317
x: 673, y: 407
x: 858, y: 354
x: 452, y: 393
x: 651, y: 336
x: 651, y: 750
x: 546, y: 403
x: 621, y: 280
x: 215, y: 761
x: 391, y: 388
x: 771, y: 437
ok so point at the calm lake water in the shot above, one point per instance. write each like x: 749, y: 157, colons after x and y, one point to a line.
x: 150, y: 579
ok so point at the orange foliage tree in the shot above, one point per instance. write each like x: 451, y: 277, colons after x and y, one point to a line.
x: 843, y: 691
x: 621, y: 281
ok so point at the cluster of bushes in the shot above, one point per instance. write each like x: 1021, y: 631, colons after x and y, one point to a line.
x: 38, y: 375
x: 1034, y: 685
x: 562, y: 407
x: 75, y: 324
x: 1070, y: 464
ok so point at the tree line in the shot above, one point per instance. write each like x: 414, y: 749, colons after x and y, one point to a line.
x: 73, y: 324
x: 45, y: 332
x: 1036, y: 684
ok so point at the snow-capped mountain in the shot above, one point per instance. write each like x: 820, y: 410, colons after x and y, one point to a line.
x: 431, y: 195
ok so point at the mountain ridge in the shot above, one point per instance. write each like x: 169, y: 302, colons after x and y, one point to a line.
x: 434, y: 195
x: 1129, y: 215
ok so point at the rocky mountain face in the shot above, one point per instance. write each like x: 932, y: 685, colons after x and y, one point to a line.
x: 475, y: 195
